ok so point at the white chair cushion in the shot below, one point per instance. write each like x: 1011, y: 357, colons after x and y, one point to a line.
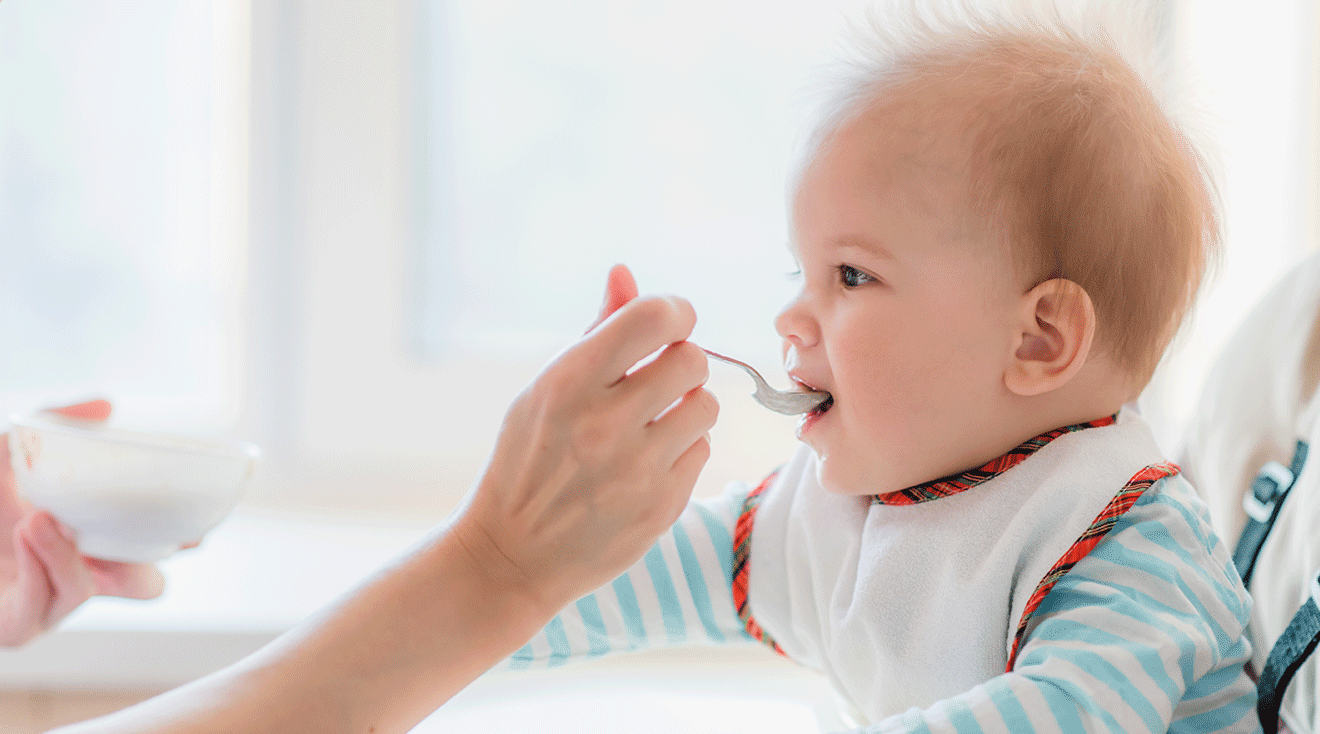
x: 1260, y: 398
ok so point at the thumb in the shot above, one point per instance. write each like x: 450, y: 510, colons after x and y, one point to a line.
x: 620, y: 287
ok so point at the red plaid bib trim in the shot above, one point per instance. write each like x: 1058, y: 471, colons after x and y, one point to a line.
x: 742, y: 551
x: 962, y: 482
x: 1100, y: 527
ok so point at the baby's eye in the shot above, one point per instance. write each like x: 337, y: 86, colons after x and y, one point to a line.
x: 794, y: 275
x: 851, y: 277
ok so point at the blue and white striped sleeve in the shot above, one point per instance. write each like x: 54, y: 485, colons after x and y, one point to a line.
x: 1144, y: 634
x: 680, y: 592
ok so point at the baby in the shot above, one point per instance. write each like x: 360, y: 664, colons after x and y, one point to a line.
x: 999, y: 231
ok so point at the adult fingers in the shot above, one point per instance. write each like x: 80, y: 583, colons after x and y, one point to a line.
x: 70, y: 582
x: 91, y: 410
x: 23, y: 605
x: 688, y: 421
x: 11, y: 509
x: 636, y: 330
x: 130, y: 580
x: 620, y: 288
x: 656, y: 385
x: 683, y: 475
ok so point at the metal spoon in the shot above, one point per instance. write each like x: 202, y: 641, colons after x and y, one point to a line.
x: 788, y: 402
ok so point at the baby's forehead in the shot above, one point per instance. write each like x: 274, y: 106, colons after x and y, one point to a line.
x: 920, y: 133
x: 917, y: 151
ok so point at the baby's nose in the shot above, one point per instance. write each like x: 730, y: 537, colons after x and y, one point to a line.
x: 796, y: 325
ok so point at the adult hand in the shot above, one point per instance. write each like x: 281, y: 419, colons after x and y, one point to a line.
x: 42, y: 575
x: 595, y: 459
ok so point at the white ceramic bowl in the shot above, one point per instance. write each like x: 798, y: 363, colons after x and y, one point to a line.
x: 128, y: 495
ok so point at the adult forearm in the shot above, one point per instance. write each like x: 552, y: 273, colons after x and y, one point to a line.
x: 378, y: 661
x: 593, y: 462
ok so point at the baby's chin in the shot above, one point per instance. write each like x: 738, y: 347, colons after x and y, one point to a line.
x: 846, y: 481
x: 877, y: 474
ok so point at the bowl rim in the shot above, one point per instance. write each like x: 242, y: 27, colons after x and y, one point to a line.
x: 158, y: 441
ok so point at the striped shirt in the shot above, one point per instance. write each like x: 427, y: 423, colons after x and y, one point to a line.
x: 1144, y: 633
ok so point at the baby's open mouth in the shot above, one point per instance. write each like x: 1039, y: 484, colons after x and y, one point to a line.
x: 823, y: 407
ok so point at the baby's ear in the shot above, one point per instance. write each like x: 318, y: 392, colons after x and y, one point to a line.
x: 1056, y: 323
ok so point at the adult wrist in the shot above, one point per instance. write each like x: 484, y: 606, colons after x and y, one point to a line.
x: 512, y: 590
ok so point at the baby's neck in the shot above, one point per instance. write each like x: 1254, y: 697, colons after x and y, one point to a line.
x: 1093, y: 394
x: 1097, y: 390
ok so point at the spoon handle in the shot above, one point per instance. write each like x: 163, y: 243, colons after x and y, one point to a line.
x: 761, y: 384
x: 788, y: 402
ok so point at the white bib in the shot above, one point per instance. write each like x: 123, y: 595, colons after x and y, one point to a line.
x: 905, y: 605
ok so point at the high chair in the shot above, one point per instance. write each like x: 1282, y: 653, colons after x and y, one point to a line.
x: 1247, y: 452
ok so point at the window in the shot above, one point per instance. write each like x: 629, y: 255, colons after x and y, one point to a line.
x: 563, y: 138
x: 439, y: 265
x: 120, y: 189
x: 352, y: 232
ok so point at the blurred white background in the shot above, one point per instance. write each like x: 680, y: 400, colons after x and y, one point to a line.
x: 350, y: 231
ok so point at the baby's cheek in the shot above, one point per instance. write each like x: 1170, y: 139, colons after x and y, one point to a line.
x: 886, y: 422
x: 962, y: 346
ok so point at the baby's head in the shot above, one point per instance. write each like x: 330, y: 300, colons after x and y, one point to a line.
x: 999, y: 232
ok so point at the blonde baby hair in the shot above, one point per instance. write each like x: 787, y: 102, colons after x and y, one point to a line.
x: 1073, y: 160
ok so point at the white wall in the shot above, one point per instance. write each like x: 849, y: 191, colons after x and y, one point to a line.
x: 1253, y: 75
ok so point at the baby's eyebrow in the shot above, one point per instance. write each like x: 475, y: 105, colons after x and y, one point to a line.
x: 861, y: 243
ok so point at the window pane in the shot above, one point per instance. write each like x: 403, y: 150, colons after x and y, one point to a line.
x: 564, y: 137
x: 114, y: 284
